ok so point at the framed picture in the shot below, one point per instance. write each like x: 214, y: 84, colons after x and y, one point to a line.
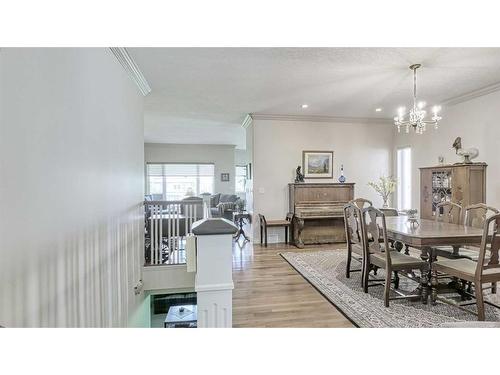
x: 317, y: 164
x: 224, y: 177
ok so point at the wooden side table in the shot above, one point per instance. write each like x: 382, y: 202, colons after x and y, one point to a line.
x: 239, y: 219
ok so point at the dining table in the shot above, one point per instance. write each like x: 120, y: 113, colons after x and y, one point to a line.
x: 424, y: 234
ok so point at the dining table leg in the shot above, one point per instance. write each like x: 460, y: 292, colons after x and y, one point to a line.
x: 427, y: 256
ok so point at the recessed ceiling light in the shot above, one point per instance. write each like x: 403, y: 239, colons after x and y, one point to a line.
x: 378, y: 109
x: 304, y: 106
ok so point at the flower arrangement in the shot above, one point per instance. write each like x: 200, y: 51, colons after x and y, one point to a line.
x: 385, y: 187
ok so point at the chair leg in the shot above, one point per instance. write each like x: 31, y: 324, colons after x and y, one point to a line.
x: 261, y: 234
x: 387, y: 287
x: 265, y: 235
x: 396, y: 280
x: 479, y: 301
x: 366, y: 273
x: 286, y: 235
x: 348, y: 264
x: 493, y: 288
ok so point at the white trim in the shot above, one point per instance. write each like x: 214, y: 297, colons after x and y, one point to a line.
x: 312, y: 118
x: 131, y: 68
x: 247, y: 121
x: 472, y: 94
x: 213, y: 287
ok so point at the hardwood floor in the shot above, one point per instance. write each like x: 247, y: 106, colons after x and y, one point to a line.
x: 270, y: 293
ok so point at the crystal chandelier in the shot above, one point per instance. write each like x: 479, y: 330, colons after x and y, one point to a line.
x: 416, y: 117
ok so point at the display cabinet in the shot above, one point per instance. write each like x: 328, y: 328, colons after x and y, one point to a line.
x: 464, y: 184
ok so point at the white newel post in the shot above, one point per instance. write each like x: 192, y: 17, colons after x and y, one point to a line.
x: 214, y: 272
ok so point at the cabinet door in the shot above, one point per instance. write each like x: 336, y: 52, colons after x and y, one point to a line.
x: 426, y: 193
x: 477, y: 185
x: 460, y: 186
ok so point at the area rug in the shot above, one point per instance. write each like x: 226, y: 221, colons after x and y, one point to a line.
x: 325, y: 270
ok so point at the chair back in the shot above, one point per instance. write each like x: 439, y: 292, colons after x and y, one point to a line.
x: 476, y: 214
x: 361, y: 202
x: 490, y: 242
x: 448, y: 212
x: 389, y: 212
x: 289, y: 216
x: 262, y: 220
x: 352, y: 223
x: 375, y: 232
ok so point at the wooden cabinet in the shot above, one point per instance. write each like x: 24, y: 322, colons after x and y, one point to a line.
x: 464, y: 184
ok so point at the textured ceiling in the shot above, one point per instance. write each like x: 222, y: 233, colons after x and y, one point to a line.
x: 205, y: 93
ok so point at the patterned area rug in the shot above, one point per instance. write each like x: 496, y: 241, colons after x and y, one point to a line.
x: 325, y: 270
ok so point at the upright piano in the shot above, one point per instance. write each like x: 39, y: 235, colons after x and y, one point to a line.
x: 317, y: 209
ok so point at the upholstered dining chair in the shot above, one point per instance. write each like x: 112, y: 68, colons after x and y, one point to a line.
x: 352, y: 222
x: 485, y: 270
x: 378, y: 254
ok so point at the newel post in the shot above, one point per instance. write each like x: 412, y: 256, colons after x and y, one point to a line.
x: 214, y: 272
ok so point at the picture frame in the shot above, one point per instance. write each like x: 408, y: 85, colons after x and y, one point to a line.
x: 224, y: 177
x: 317, y: 164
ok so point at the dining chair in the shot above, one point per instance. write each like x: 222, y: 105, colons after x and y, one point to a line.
x: 361, y: 202
x: 476, y: 214
x: 485, y: 270
x: 352, y: 223
x: 451, y: 213
x: 378, y: 254
x: 398, y: 245
x: 448, y: 212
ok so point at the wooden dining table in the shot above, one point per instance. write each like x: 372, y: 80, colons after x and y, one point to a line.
x: 426, y: 234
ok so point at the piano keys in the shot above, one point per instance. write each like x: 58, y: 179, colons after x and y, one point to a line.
x: 318, y: 211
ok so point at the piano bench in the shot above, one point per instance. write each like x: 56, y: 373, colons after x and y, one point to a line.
x: 264, y: 224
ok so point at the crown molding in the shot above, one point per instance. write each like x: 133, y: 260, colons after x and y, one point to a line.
x: 313, y: 118
x: 472, y: 94
x: 131, y: 68
x: 247, y: 121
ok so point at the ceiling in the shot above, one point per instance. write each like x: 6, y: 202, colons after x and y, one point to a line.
x: 202, y: 95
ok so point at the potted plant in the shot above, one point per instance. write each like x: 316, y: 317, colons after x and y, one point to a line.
x: 384, y: 187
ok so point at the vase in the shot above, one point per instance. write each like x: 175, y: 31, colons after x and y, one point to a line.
x: 342, y: 177
x: 385, y: 205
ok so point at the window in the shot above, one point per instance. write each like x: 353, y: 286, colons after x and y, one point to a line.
x: 177, y: 181
x: 240, y: 179
x: 404, y: 178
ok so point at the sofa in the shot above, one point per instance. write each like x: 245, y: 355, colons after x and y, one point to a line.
x: 223, y: 205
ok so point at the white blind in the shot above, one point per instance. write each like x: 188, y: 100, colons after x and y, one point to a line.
x: 180, y: 170
x: 176, y: 181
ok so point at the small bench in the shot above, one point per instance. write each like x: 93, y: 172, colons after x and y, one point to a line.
x: 264, y: 224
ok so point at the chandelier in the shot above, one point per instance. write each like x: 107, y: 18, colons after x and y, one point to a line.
x: 416, y: 117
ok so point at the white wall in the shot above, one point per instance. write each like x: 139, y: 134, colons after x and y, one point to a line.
x: 71, y: 183
x: 249, y: 183
x: 221, y: 155
x: 476, y: 121
x: 365, y: 150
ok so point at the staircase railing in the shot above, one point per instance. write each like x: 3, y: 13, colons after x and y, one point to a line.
x: 167, y: 223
